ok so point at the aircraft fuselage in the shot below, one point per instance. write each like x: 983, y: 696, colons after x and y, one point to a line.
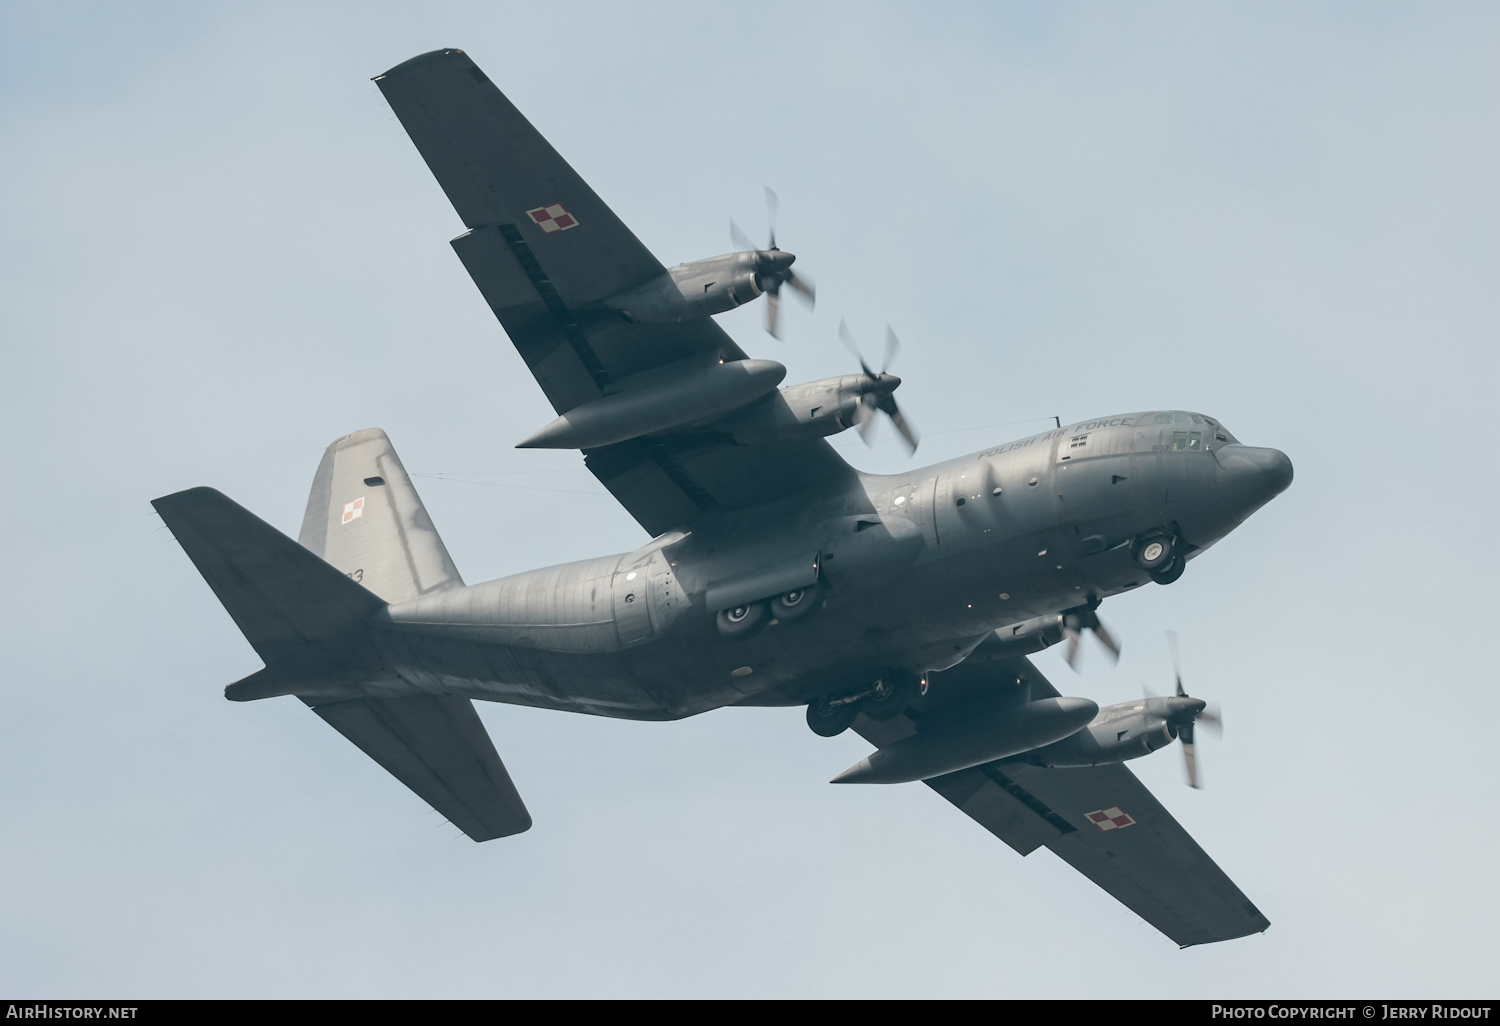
x: 917, y: 568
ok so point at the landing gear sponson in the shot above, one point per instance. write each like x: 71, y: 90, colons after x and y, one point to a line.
x: 748, y: 619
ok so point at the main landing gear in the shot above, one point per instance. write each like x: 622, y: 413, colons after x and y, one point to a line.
x: 1158, y: 555
x: 743, y: 622
x: 885, y: 699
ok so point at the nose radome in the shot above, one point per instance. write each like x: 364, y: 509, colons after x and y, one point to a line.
x: 1267, y: 471
x: 1274, y: 466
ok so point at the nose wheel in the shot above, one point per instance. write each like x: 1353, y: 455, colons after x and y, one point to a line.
x: 1154, y: 551
x: 1170, y: 572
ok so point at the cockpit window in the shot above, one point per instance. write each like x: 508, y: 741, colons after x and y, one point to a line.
x: 1211, y: 431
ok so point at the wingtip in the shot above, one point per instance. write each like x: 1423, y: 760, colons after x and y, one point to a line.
x: 421, y: 58
x: 187, y: 495
x: 520, y: 827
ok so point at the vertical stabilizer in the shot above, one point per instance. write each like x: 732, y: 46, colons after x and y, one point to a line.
x: 365, y: 518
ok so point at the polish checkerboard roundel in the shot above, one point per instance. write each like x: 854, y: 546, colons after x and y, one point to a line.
x: 1112, y: 818
x: 554, y: 217
x: 354, y: 510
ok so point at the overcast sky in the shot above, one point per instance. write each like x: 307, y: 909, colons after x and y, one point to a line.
x: 219, y: 251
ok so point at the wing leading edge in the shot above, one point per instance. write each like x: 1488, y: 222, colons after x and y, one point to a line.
x: 544, y: 251
x: 1101, y: 820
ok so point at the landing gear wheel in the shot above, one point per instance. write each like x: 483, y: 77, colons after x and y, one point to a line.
x: 890, y: 698
x: 830, y: 720
x: 799, y: 605
x: 1153, y: 552
x: 743, y: 622
x: 1170, y: 572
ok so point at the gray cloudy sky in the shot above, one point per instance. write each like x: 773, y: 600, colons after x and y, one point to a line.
x: 218, y: 252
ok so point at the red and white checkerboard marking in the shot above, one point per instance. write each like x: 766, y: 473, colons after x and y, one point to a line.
x: 354, y: 510
x: 553, y: 218
x: 1112, y: 818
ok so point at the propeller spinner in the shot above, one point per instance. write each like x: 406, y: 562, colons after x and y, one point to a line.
x: 773, y: 268
x: 1075, y: 622
x: 876, y: 390
x: 1186, y: 712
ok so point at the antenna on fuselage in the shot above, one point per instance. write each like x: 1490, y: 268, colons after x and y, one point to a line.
x: 1057, y: 420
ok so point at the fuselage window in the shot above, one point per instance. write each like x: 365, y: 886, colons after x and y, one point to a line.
x: 1187, y: 440
x: 1164, y: 418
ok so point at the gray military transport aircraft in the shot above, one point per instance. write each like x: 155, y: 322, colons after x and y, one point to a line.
x: 903, y: 606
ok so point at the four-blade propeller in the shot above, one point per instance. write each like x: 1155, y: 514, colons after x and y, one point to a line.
x: 1074, y: 623
x: 876, y: 390
x: 773, y: 268
x: 1186, y: 712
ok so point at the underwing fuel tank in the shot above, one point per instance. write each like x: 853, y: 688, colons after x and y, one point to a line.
x: 659, y: 401
x: 972, y: 741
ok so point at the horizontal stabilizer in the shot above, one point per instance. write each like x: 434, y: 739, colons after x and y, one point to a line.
x: 437, y: 746
x: 280, y: 595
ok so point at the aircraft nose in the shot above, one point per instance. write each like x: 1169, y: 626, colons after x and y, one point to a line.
x: 1274, y: 466
x: 1261, y: 473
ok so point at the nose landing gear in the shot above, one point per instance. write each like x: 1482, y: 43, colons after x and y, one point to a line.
x: 1158, y: 555
x: 1170, y: 573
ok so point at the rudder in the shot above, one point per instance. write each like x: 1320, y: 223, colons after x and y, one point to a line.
x: 364, y: 517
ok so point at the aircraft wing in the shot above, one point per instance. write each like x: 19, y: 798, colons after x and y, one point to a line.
x: 544, y: 250
x: 1102, y: 821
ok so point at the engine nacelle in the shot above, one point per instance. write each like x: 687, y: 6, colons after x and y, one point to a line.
x: 1026, y: 637
x: 698, y: 289
x: 1128, y: 730
x: 812, y: 410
